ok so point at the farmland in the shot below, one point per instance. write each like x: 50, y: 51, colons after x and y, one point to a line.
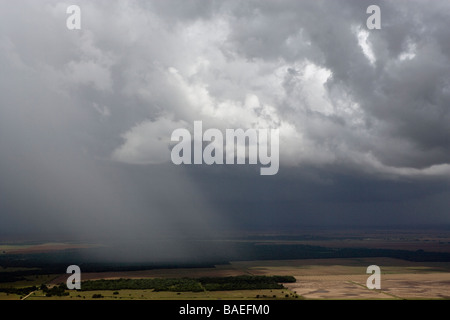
x: 324, y: 265
x: 315, y: 279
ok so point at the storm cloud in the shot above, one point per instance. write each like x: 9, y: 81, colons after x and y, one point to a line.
x: 86, y: 115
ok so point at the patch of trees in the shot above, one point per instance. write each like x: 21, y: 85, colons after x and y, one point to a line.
x: 58, y: 291
x: 244, y: 282
x: 183, y: 284
x: 188, y: 284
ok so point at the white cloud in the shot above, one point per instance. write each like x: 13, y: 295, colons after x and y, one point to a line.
x: 147, y: 142
x: 409, y: 53
x: 364, y: 43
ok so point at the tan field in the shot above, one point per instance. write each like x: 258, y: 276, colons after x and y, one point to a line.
x: 346, y: 278
x: 393, y: 286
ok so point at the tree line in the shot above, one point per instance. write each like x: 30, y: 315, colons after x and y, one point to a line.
x: 190, y: 284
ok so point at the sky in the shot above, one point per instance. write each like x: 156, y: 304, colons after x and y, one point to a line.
x: 86, y: 116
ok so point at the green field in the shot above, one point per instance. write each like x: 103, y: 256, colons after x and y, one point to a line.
x: 164, y: 295
x: 239, y: 287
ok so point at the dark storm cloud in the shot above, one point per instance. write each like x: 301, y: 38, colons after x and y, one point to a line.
x: 86, y: 116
